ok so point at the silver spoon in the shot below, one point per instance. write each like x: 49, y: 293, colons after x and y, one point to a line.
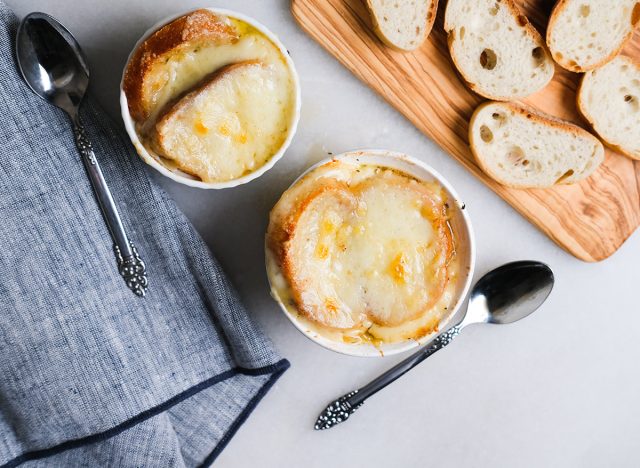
x: 54, y: 67
x: 505, y: 295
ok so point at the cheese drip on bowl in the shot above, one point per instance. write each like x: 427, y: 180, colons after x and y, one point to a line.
x: 363, y: 253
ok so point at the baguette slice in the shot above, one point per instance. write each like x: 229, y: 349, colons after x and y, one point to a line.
x: 153, y: 66
x: 403, y: 24
x: 229, y: 126
x: 585, y: 34
x: 523, y: 148
x: 609, y: 98
x: 497, y: 51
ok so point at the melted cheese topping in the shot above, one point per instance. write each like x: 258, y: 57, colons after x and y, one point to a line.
x: 229, y: 129
x: 236, y: 135
x: 371, y: 256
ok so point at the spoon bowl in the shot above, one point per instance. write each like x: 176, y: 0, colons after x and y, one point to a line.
x: 51, y: 62
x: 509, y: 293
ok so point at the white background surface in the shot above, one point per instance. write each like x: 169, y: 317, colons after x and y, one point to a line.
x: 561, y: 388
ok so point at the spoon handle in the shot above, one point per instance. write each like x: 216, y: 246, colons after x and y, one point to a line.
x: 339, y: 410
x: 130, y: 265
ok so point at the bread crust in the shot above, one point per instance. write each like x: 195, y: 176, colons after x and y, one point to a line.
x: 582, y: 108
x: 280, y: 230
x: 529, y: 113
x: 280, y: 234
x: 428, y: 26
x: 199, y: 25
x: 555, y: 13
x: 532, y: 32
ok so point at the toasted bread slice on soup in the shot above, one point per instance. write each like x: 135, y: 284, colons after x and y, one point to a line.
x: 153, y: 63
x: 374, y: 251
x: 497, y: 51
x: 229, y: 126
x: 403, y: 24
x: 585, y: 34
x: 609, y: 98
x: 523, y: 148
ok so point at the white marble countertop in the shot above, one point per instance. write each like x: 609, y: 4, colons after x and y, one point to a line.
x: 561, y: 388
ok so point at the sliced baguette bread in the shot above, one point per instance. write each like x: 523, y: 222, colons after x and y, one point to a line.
x: 229, y: 126
x: 497, y: 51
x: 585, y: 34
x: 523, y: 148
x: 609, y: 98
x: 403, y: 24
x: 148, y: 77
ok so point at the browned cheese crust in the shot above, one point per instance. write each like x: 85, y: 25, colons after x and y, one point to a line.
x: 200, y: 25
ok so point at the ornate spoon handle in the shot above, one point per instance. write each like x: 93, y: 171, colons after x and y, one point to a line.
x: 130, y: 265
x: 339, y: 410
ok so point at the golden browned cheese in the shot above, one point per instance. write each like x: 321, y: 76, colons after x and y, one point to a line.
x: 188, y: 31
x: 230, y: 125
x: 364, y: 250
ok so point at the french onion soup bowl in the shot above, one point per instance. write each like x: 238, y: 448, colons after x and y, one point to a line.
x: 210, y: 98
x: 370, y: 253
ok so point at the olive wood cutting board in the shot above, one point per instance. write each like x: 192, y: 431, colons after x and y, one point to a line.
x: 590, y: 220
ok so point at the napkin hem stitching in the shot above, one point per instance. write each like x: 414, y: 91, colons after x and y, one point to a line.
x: 283, y: 365
x: 276, y: 369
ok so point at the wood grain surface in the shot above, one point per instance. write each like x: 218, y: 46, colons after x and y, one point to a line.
x: 590, y: 220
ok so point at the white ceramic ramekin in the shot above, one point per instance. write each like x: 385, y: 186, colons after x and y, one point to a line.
x: 465, y: 249
x: 176, y: 174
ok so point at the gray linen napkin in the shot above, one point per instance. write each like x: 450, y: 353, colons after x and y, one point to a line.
x: 91, y: 375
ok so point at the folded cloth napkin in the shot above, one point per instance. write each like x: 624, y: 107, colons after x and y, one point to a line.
x: 90, y: 374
